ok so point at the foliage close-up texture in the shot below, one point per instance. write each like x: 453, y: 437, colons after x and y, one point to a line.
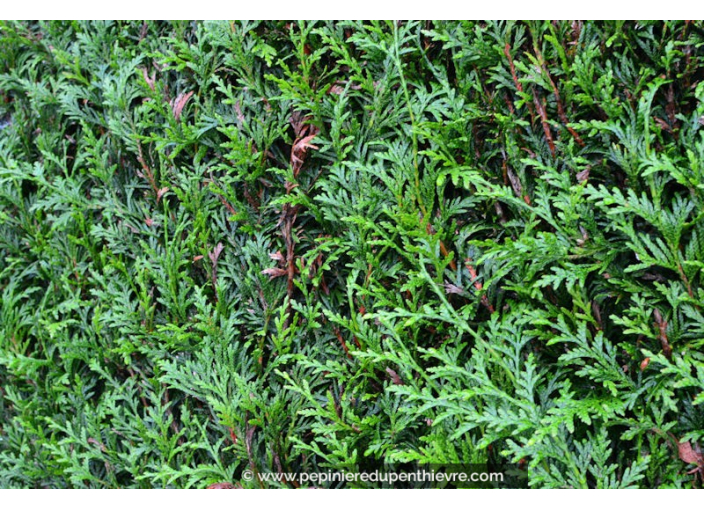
x: 297, y: 247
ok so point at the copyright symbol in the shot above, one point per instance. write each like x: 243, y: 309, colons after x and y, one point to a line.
x: 247, y: 475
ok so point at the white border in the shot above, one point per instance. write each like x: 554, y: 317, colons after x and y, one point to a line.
x: 354, y: 500
x: 352, y: 9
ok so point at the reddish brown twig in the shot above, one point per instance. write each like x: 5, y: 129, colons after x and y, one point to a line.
x: 148, y: 174
x: 661, y: 324
x: 477, y: 284
x: 507, y: 52
x: 305, y: 132
x: 514, y: 75
x: 561, y: 110
x: 214, y: 256
x: 544, y: 119
x: 443, y: 250
x: 342, y: 342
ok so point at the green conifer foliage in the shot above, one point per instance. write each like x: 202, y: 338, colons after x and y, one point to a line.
x: 309, y: 246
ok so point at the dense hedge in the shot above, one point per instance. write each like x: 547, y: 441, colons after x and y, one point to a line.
x: 295, y: 247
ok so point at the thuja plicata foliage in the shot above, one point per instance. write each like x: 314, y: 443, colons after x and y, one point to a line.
x: 296, y: 247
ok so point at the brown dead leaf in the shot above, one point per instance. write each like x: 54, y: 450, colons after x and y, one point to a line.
x: 689, y: 454
x: 302, y: 145
x: 249, y: 437
x: 179, y: 103
x: 644, y: 364
x: 238, y: 111
x: 149, y: 79
x: 222, y: 485
x: 663, y: 125
x: 583, y: 175
x: 97, y: 443
x: 160, y: 193
x: 274, y: 272
x: 298, y: 122
x: 215, y: 254
x: 336, y: 89
x: 305, y: 132
x: 394, y: 376
x: 515, y: 182
x: 451, y: 288
x: 299, y: 150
